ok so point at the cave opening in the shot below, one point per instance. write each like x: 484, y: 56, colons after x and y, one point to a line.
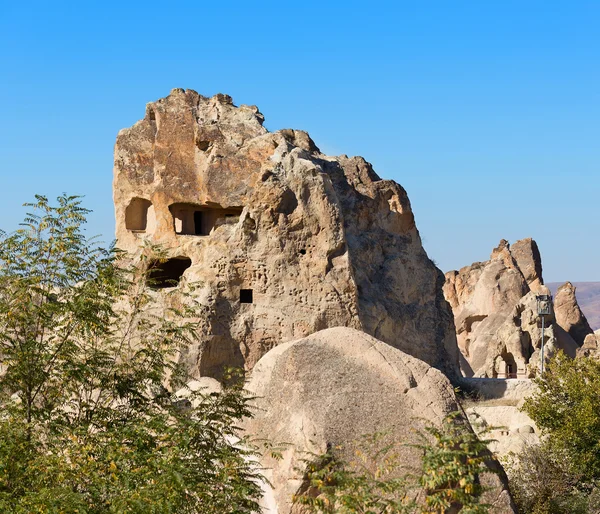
x: 137, y: 214
x: 200, y: 220
x: 164, y: 274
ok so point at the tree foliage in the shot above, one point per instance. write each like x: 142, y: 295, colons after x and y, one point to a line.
x: 566, y: 408
x: 453, y: 459
x: 452, y: 466
x: 89, y: 422
x: 541, y: 483
x: 561, y: 475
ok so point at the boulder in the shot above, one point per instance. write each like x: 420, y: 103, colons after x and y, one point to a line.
x: 495, y: 312
x: 334, y: 386
x: 278, y: 239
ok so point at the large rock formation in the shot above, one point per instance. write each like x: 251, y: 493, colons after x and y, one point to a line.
x: 495, y: 311
x: 333, y: 387
x: 280, y: 240
x: 568, y: 314
x: 588, y: 298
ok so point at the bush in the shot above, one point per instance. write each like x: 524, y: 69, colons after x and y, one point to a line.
x: 541, y: 483
x: 453, y: 458
x: 562, y: 474
x: 566, y: 408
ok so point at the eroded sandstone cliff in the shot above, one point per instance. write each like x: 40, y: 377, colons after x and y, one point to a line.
x: 280, y: 240
x: 495, y: 310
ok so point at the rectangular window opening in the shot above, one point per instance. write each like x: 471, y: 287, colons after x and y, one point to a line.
x: 198, y: 223
x: 246, y: 295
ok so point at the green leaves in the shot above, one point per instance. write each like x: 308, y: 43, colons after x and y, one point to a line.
x: 452, y: 465
x: 453, y: 458
x: 89, y: 422
x: 562, y: 474
x: 567, y: 409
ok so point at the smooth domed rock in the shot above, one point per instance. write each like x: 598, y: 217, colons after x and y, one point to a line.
x: 279, y: 239
x: 333, y: 387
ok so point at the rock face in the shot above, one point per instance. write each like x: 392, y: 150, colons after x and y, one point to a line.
x: 334, y: 386
x: 497, y: 411
x: 569, y: 315
x: 280, y: 240
x: 591, y: 346
x: 495, y: 312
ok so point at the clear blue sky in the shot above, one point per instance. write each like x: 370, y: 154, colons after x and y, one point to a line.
x: 487, y: 112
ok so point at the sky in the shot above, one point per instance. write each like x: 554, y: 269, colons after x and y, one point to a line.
x: 486, y: 112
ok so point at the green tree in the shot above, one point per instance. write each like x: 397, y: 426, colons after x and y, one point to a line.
x: 89, y: 422
x: 562, y: 473
x: 373, y: 483
x: 566, y: 408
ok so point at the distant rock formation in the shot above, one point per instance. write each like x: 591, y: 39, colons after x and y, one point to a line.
x: 569, y: 315
x: 495, y: 312
x: 333, y: 387
x: 588, y: 298
x: 280, y: 239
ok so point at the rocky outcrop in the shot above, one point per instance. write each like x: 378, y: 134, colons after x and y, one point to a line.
x: 279, y: 240
x: 588, y: 298
x: 333, y: 387
x: 569, y: 315
x: 590, y: 347
x: 494, y: 409
x: 495, y: 311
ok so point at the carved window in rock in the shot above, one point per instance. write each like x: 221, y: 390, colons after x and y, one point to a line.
x: 139, y: 215
x: 200, y: 220
x: 246, y: 296
x: 168, y: 273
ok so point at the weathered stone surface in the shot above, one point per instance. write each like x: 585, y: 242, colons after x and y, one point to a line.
x: 591, y: 346
x: 333, y: 387
x: 569, y: 315
x: 588, y: 298
x: 510, y: 429
x: 494, y: 408
x: 281, y: 240
x: 495, y: 312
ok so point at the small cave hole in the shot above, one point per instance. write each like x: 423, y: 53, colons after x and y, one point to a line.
x: 167, y: 273
x: 204, y: 146
x: 246, y: 296
x: 303, y: 251
x: 151, y: 115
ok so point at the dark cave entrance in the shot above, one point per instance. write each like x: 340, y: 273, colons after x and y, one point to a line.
x: 167, y: 273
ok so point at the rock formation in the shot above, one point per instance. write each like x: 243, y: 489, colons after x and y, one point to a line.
x: 337, y: 385
x: 591, y: 346
x: 279, y: 240
x: 495, y: 312
x: 569, y: 315
x: 497, y: 413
